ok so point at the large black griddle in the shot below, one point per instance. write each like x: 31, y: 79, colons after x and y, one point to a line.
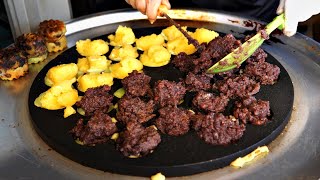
x: 175, y: 156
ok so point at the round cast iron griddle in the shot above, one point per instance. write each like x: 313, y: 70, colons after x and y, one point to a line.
x: 175, y: 156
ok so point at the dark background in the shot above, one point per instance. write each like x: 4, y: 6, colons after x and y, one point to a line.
x: 80, y: 8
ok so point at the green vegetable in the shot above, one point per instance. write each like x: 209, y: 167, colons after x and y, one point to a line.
x: 239, y: 55
x: 119, y: 93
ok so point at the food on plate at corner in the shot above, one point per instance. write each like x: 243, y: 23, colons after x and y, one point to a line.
x: 59, y: 96
x: 61, y: 73
x: 145, y: 42
x: 90, y: 47
x: 93, y: 64
x: 92, y: 80
x: 34, y: 46
x: 122, y: 69
x: 158, y: 176
x: 13, y: 63
x: 53, y: 32
x: 155, y: 56
x: 257, y: 153
x: 120, y: 53
x: 123, y: 36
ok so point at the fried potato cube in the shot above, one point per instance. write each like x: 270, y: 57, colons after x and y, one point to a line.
x: 123, y: 36
x: 83, y: 66
x: 179, y: 45
x: 92, y: 48
x: 61, y: 73
x: 58, y: 97
x: 204, y: 35
x: 98, y: 63
x: 145, y: 42
x: 68, y: 111
x: 171, y: 33
x: 92, y: 80
x: 119, y: 53
x: 156, y: 56
x: 122, y: 69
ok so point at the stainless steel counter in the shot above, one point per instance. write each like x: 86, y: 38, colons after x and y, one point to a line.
x: 295, y: 154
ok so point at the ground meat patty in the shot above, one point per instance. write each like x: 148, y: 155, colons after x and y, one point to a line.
x: 251, y: 110
x: 96, y: 131
x: 198, y: 82
x: 134, y: 109
x: 173, y: 121
x: 217, y: 129
x: 258, y: 56
x: 95, y: 99
x: 264, y: 72
x: 238, y: 86
x: 137, y: 141
x: 202, y: 60
x: 136, y: 84
x: 183, y: 62
x: 168, y: 93
x: 209, y: 102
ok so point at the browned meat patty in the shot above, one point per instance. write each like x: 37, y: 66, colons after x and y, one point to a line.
x: 263, y: 72
x: 238, y: 86
x: 98, y: 129
x: 209, y: 102
x: 138, y: 141
x: 217, y: 129
x: 173, y: 121
x: 198, y: 82
x: 259, y: 56
x: 250, y: 110
x: 214, y: 51
x: 95, y: 99
x: 168, y: 93
x: 202, y: 60
x: 133, y: 109
x: 184, y: 62
x: 136, y: 84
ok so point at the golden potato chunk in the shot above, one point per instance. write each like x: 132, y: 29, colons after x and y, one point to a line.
x: 121, y: 69
x: 171, y: 33
x: 92, y: 80
x: 204, y: 35
x: 83, y: 66
x: 94, y: 64
x: 123, y: 36
x: 145, y: 42
x: 179, y: 45
x: 68, y: 111
x: 58, y: 97
x: 61, y: 73
x: 156, y: 56
x: 92, y: 48
x: 119, y: 53
x: 98, y: 63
